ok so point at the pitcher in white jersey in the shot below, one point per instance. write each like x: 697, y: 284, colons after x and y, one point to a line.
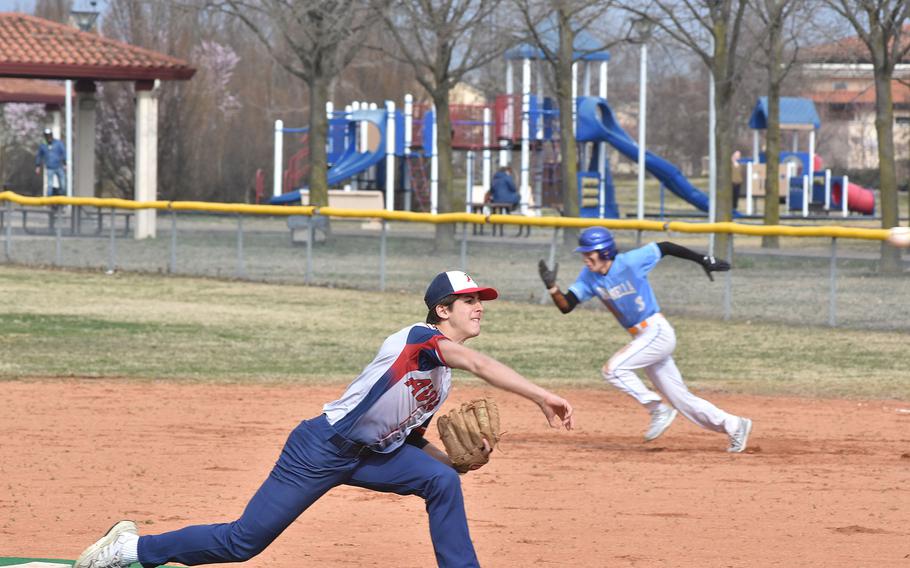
x: 371, y: 437
x: 620, y: 281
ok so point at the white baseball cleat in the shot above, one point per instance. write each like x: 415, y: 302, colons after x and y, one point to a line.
x: 660, y: 421
x: 108, y: 551
x: 739, y: 440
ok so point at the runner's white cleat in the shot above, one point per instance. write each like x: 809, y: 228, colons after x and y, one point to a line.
x: 108, y: 551
x: 739, y: 440
x: 660, y: 421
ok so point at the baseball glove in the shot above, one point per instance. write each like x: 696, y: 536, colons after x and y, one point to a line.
x: 711, y: 264
x: 464, y: 429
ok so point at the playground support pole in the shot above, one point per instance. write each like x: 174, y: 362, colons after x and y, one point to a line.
x: 807, y: 185
x: 832, y: 294
x: 586, y: 88
x: 642, y: 120
x: 602, y: 87
x: 408, y: 142
x: 811, y: 164
x: 749, y: 208
x: 390, y: 155
x: 843, y: 195
x: 525, y: 188
x: 348, y: 109
x: 575, y: 98
x: 278, y: 158
x: 827, y: 190
x: 69, y: 138
x: 487, y: 154
x: 508, y: 121
x: 434, y: 166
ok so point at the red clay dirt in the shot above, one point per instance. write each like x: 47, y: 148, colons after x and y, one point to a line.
x: 824, y: 483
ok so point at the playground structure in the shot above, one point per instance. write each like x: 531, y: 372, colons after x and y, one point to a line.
x: 804, y: 185
x: 379, y: 148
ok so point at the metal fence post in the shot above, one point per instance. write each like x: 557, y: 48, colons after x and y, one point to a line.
x: 728, y: 281
x: 172, y: 262
x: 112, y: 259
x: 7, y: 242
x: 382, y: 251
x: 464, y: 247
x: 241, y: 269
x: 311, y: 234
x: 57, y: 231
x: 832, y: 292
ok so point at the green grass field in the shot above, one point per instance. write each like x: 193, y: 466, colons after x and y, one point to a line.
x: 56, y: 323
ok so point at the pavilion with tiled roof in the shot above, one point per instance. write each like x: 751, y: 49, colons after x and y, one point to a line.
x: 34, y: 48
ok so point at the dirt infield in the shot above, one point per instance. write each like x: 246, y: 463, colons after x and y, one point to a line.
x: 825, y: 482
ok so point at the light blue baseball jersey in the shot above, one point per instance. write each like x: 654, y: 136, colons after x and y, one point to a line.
x: 624, y: 289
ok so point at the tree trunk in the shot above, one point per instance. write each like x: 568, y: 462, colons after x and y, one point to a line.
x: 884, y: 127
x: 567, y: 145
x: 724, y: 91
x: 445, y: 232
x: 318, y: 182
x: 772, y: 137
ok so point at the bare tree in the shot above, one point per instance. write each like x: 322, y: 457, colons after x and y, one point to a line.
x: 444, y: 42
x: 711, y: 29
x: 880, y: 26
x: 773, y: 14
x: 553, y: 27
x: 313, y: 40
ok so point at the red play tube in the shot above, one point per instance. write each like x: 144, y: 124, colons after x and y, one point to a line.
x: 859, y: 198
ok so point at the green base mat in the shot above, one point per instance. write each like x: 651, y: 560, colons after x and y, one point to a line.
x: 47, y: 563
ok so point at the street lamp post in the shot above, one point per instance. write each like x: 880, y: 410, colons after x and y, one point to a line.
x: 640, y: 32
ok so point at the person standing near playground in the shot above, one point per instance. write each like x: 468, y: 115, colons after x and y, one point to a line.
x: 371, y: 437
x: 736, y: 177
x: 502, y: 188
x: 52, y: 155
x: 621, y: 283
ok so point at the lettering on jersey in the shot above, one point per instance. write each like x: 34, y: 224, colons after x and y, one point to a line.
x: 616, y: 292
x: 424, y: 392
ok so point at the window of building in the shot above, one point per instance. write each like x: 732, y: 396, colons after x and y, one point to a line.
x: 840, y: 85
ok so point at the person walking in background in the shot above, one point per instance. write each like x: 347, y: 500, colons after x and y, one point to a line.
x: 52, y: 155
x: 502, y: 189
x: 736, y: 178
x: 371, y: 437
x: 621, y: 283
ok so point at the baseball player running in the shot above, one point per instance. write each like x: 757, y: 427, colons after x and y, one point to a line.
x: 621, y: 283
x: 371, y: 437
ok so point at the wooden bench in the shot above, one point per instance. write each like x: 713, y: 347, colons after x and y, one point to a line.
x: 299, y: 225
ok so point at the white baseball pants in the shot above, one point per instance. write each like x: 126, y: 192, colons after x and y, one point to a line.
x: 651, y: 350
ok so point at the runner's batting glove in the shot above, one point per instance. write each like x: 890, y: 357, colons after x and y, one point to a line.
x: 548, y: 276
x: 711, y: 264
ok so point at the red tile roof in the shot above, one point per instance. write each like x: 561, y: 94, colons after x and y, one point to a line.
x: 33, y: 47
x: 31, y: 91
x: 849, y: 50
x: 900, y: 95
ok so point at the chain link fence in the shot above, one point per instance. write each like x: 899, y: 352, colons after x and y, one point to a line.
x: 807, y: 281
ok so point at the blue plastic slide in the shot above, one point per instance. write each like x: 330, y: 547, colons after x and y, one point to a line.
x: 352, y: 162
x: 596, y: 123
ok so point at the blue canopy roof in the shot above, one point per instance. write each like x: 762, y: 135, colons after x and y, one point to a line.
x: 586, y: 47
x: 793, y: 111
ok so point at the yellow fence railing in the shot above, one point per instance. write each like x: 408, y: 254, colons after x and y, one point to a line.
x: 473, y: 218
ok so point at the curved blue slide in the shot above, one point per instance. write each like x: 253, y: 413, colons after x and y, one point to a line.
x: 596, y: 123
x: 352, y: 162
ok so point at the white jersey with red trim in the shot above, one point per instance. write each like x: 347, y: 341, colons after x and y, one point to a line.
x: 398, y: 391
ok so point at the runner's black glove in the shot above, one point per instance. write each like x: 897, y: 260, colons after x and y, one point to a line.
x: 711, y: 264
x: 548, y: 276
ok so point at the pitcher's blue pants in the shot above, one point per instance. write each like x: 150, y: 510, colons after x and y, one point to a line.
x: 308, y: 467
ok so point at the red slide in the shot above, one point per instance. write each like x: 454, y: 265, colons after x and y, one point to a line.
x: 859, y: 198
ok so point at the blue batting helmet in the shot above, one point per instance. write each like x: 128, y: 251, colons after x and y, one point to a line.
x: 599, y: 239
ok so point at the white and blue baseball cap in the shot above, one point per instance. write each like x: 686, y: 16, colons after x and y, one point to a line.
x: 455, y: 282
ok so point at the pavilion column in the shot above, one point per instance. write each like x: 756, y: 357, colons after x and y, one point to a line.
x: 146, y: 171
x: 84, y: 141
